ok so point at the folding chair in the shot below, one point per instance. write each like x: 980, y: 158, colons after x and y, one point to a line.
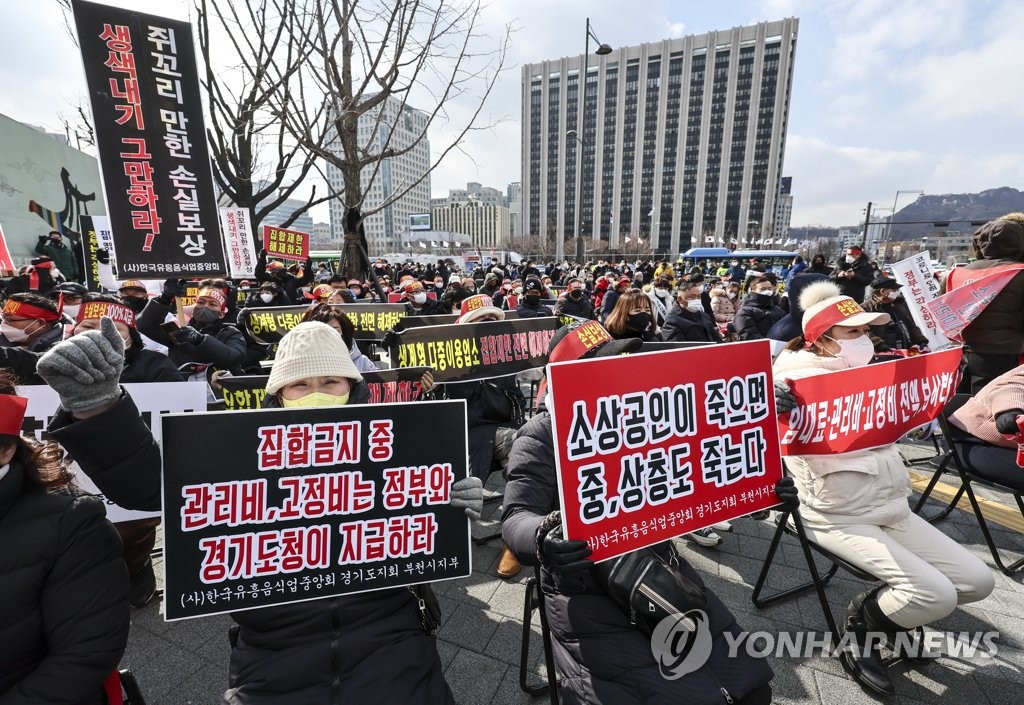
x: 534, y: 600
x: 945, y: 457
x: 1008, y: 478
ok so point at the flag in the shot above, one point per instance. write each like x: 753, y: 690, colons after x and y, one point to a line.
x: 433, y: 244
x: 423, y: 244
x: 651, y: 213
x: 627, y: 239
x: 611, y: 217
x: 444, y: 243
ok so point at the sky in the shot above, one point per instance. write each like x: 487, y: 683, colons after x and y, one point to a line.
x: 887, y: 96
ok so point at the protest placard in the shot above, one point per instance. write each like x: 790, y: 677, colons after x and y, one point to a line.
x: 285, y: 244
x: 286, y: 505
x: 440, y: 320
x: 152, y: 400
x: 268, y: 325
x: 386, y: 387
x: 919, y: 287
x: 867, y: 407
x: 144, y: 89
x: 238, y: 239
x: 6, y: 264
x: 655, y: 445
x: 971, y: 290
x: 470, y: 351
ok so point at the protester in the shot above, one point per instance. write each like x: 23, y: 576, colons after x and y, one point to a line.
x: 134, y: 295
x: 818, y: 266
x: 68, y: 296
x: 736, y: 273
x: 632, y: 317
x: 416, y: 301
x: 900, y: 333
x: 530, y: 305
x: 269, y: 294
x: 758, y: 312
x: 612, y: 296
x: 995, y: 339
x: 687, y: 321
x: 278, y: 273
x: 853, y: 273
x: 64, y: 614
x: 574, y: 301
x: 798, y: 267
x: 601, y: 656
x: 990, y: 421
x: 366, y: 647
x: 660, y: 294
x: 854, y: 504
x: 63, y: 257
x: 725, y: 302
x: 30, y: 322
x: 336, y: 319
x: 39, y: 277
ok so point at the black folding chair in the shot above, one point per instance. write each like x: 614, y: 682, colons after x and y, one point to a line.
x: 534, y: 600
x: 1009, y: 478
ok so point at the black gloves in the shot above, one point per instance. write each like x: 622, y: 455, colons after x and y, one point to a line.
x: 784, y: 399
x: 172, y: 289
x: 567, y: 561
x: 102, y: 256
x: 188, y: 334
x: 1006, y: 422
x: 785, y: 489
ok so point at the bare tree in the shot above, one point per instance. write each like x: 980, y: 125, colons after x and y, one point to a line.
x: 367, y: 59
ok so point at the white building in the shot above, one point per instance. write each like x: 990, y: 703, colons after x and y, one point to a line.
x: 514, y: 202
x: 400, y: 183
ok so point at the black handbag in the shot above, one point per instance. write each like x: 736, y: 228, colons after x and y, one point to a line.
x: 429, y: 607
x: 500, y: 404
x: 648, y: 589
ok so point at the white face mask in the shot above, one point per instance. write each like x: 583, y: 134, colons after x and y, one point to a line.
x: 266, y: 298
x: 71, y: 310
x: 13, y: 333
x: 850, y: 259
x: 731, y: 294
x: 857, y: 352
x: 694, y: 305
x: 892, y: 295
x: 419, y: 297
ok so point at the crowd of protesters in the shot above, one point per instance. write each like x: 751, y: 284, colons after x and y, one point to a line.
x: 70, y: 577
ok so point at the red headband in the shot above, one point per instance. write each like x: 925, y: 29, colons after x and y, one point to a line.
x: 28, y: 310
x: 12, y: 413
x: 215, y: 294
x: 579, y: 342
x: 99, y: 309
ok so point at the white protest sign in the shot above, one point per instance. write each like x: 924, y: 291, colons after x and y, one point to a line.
x: 919, y: 287
x: 105, y: 240
x: 152, y: 400
x: 238, y: 239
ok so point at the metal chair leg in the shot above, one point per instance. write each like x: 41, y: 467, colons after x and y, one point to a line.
x: 983, y: 524
x: 530, y: 603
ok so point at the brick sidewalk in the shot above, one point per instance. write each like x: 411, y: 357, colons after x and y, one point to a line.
x: 186, y: 662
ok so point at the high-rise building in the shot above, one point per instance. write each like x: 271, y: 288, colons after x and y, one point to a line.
x: 282, y: 212
x: 391, y: 125
x: 514, y: 201
x: 486, y: 224
x: 783, y: 211
x: 684, y: 138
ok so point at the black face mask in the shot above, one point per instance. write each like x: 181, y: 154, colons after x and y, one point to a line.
x: 576, y: 294
x: 135, y: 303
x: 57, y: 243
x: 205, y: 316
x: 764, y: 299
x: 639, y: 321
x: 532, y: 299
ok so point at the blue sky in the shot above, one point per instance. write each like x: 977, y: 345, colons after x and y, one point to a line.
x: 887, y: 95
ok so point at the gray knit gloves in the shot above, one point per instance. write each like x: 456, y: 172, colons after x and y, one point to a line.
x: 86, y: 368
x: 468, y: 494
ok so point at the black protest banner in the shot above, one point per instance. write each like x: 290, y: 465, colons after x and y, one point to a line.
x: 278, y: 506
x: 386, y: 387
x: 373, y: 321
x: 441, y: 320
x: 468, y: 351
x: 268, y: 325
x: 90, y: 244
x: 141, y: 75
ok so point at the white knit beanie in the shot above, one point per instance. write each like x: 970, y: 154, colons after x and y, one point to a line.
x: 311, y: 349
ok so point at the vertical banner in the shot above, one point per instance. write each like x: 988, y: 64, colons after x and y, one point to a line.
x: 278, y: 506
x: 652, y: 446
x: 919, y: 287
x: 5, y: 257
x: 285, y: 244
x: 238, y: 239
x: 90, y: 244
x: 144, y: 89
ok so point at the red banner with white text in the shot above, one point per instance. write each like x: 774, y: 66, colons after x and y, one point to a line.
x: 974, y: 290
x: 867, y: 407
x: 657, y: 445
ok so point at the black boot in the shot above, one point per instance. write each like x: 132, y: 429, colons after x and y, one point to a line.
x: 862, y: 660
x: 879, y: 623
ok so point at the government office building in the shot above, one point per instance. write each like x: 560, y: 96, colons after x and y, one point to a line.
x: 683, y: 144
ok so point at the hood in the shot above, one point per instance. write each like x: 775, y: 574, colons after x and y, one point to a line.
x: 1000, y: 239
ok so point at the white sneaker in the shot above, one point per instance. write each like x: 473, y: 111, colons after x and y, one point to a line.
x: 705, y: 537
x: 722, y: 526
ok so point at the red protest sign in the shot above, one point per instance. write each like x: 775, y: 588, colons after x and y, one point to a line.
x: 867, y: 407
x: 657, y: 445
x: 285, y: 244
x: 6, y: 264
x: 972, y: 290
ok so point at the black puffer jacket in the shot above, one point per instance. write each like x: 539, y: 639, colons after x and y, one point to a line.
x: 64, y: 586
x: 222, y: 345
x: 755, y: 318
x: 682, y: 325
x: 569, y: 307
x: 999, y: 329
x: 482, y: 430
x: 601, y: 657
x: 364, y: 648
x: 148, y: 366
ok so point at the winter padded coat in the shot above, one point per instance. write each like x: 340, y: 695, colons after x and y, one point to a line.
x: 222, y: 345
x: 363, y: 648
x: 63, y: 595
x: 755, y: 319
x: 683, y: 325
x: 600, y: 656
x: 859, y: 487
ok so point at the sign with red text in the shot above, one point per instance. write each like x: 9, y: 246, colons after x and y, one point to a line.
x: 867, y: 407
x: 385, y: 387
x: 919, y: 287
x: 285, y: 244
x: 144, y: 89
x: 279, y: 506
x: 238, y: 239
x: 653, y: 446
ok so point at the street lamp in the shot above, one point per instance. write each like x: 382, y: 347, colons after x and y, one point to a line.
x: 602, y: 50
x: 888, y: 232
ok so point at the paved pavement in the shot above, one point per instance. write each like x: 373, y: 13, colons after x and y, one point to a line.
x: 185, y: 662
